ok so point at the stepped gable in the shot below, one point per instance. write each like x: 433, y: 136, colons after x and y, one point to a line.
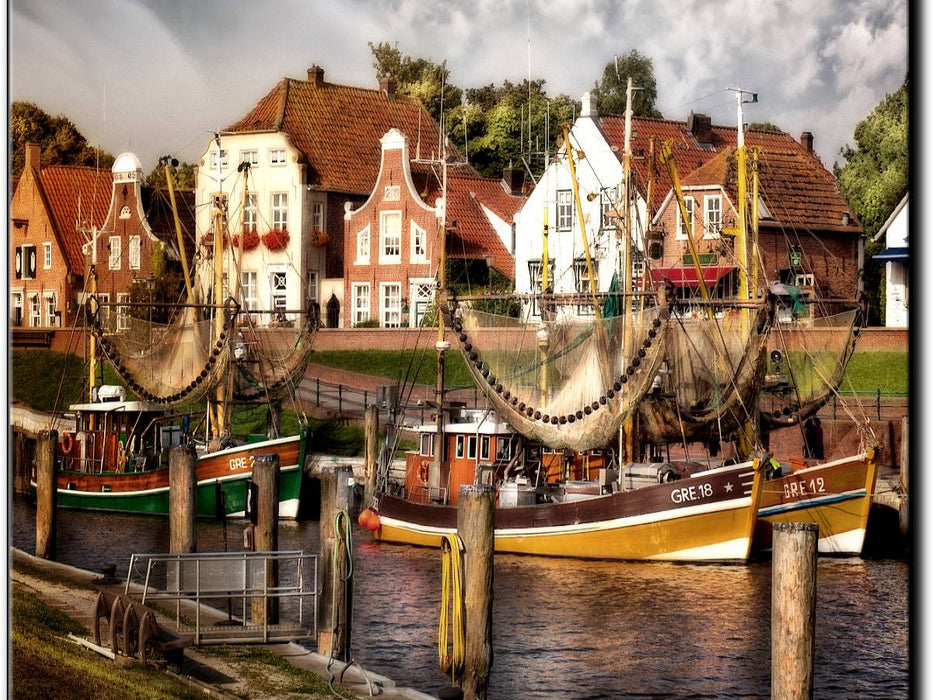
x: 797, y: 190
x: 338, y: 128
x: 68, y: 189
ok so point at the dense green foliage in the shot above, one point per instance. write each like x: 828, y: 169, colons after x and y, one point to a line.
x: 61, y: 142
x: 610, y: 90
x: 488, y: 125
x: 185, y: 177
x: 874, y: 179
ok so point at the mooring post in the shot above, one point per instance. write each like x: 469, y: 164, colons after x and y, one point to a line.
x: 793, y: 609
x: 183, y: 500
x: 904, y: 510
x: 371, y: 435
x: 335, y: 602
x: 266, y: 477
x: 46, y: 495
x: 476, y: 527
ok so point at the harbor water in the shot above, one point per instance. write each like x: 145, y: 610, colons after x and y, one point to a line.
x: 567, y: 628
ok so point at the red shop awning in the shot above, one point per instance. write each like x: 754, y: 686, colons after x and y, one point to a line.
x: 687, y: 276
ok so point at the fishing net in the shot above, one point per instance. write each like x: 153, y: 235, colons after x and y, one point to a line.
x: 568, y: 381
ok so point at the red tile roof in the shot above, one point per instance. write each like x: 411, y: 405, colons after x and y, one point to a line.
x: 797, y: 190
x: 474, y: 236
x: 337, y: 129
x: 68, y: 189
x: 689, y: 154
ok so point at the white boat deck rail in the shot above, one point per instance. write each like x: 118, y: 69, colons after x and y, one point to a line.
x: 231, y: 597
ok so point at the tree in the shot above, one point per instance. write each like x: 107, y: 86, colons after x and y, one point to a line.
x: 875, y: 178
x: 59, y: 138
x: 766, y: 126
x: 416, y: 77
x: 186, y: 177
x: 610, y: 90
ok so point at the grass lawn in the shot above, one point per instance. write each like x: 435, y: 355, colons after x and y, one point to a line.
x: 869, y: 371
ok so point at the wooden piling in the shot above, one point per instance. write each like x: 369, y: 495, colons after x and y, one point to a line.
x: 46, y: 496
x: 476, y: 527
x: 903, y: 513
x: 793, y: 609
x: 183, y: 500
x: 335, y: 602
x: 371, y: 435
x: 266, y: 470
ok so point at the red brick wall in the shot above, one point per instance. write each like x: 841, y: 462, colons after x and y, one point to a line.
x: 413, y: 209
x: 870, y: 340
x: 27, y: 205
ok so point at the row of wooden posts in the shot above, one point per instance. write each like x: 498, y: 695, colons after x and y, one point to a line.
x: 793, y: 590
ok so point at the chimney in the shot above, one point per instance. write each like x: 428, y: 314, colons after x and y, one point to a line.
x: 806, y: 140
x: 387, y: 85
x: 701, y: 126
x: 588, y: 106
x: 33, y: 155
x: 514, y: 179
x: 316, y: 76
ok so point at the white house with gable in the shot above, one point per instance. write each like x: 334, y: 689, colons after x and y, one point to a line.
x: 896, y: 259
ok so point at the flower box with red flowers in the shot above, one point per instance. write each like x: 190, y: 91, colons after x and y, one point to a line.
x: 247, y: 240
x: 319, y: 239
x: 276, y: 239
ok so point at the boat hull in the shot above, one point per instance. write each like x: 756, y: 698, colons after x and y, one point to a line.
x: 836, y: 496
x: 225, y: 471
x: 709, y: 517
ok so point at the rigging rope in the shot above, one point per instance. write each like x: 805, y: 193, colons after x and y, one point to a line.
x: 452, y: 592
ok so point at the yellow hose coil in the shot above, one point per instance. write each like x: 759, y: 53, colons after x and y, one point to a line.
x: 452, y: 598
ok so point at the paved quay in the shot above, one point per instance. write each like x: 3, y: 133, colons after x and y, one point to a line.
x: 216, y: 678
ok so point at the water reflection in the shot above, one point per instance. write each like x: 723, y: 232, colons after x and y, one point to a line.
x: 574, y: 629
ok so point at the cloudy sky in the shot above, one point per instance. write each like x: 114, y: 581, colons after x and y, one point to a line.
x: 156, y: 76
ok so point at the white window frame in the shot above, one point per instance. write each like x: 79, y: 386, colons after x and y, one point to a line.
x: 419, y: 244
x: 123, y: 322
x: 608, y: 197
x: 311, y: 292
x: 279, y: 210
x: 46, y: 256
x: 712, y: 218
x: 223, y: 158
x: 564, y: 217
x: 362, y: 303
x: 484, y: 447
x: 278, y: 291
x: 103, y: 299
x: 390, y: 242
x: 420, y: 298
x: 581, y: 282
x: 17, y: 303
x: 390, y: 304
x: 250, y: 156
x: 249, y: 289
x: 461, y: 443
x: 317, y: 216
x: 363, y: 245
x: 135, y: 252
x: 471, y: 447
x: 278, y: 157
x: 35, y: 310
x: 690, y: 206
x: 251, y: 213
x: 50, y: 302
x: 116, y: 253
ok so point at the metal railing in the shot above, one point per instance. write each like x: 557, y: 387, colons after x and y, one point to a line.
x: 231, y: 597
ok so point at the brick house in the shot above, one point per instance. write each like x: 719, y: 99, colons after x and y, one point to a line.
x: 808, y: 240
x: 696, y: 142
x: 311, y: 146
x: 50, y: 208
x: 392, y: 239
x: 138, y: 224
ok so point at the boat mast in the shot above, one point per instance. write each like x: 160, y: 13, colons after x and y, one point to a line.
x: 441, y: 345
x: 626, y: 248
x: 92, y: 340
x: 577, y: 204
x: 169, y: 164
x: 219, y: 411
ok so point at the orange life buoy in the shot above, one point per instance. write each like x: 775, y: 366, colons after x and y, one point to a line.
x: 423, y: 472
x: 68, y: 443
